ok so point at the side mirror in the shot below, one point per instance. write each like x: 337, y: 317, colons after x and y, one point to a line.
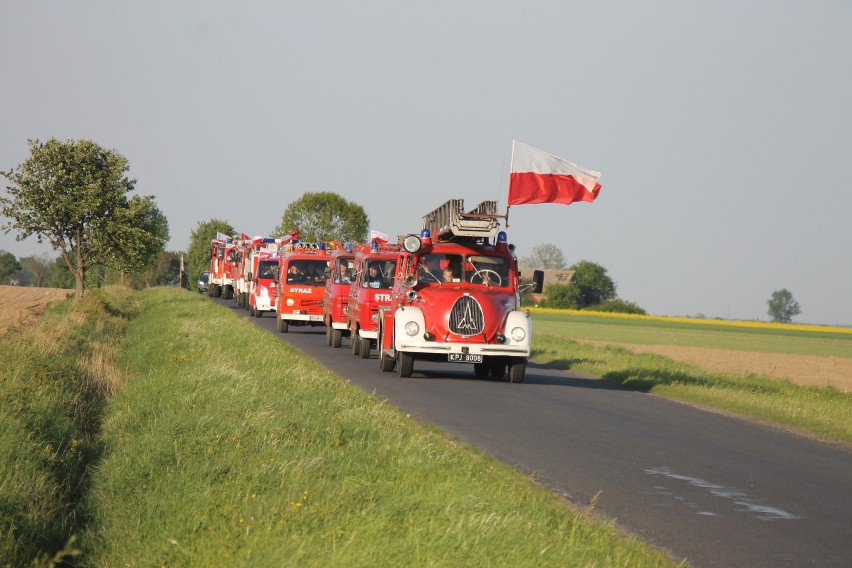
x: 538, y: 281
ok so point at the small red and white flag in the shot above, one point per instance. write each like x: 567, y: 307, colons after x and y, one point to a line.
x: 539, y: 177
x: 379, y: 236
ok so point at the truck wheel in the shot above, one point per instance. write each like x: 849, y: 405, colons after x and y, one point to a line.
x: 355, y: 343
x: 405, y: 364
x: 282, y: 324
x: 336, y: 338
x: 517, y: 372
x: 386, y: 363
x: 217, y: 291
x: 364, y: 348
x: 257, y: 313
x: 328, y: 334
x: 480, y: 370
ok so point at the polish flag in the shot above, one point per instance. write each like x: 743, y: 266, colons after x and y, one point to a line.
x: 379, y: 236
x: 539, y: 177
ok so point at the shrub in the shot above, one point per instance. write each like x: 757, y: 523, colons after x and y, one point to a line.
x: 618, y: 305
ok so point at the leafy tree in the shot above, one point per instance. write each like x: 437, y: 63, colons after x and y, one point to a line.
x: 8, y: 265
x: 165, y: 270
x: 546, y: 256
x: 38, y: 267
x: 782, y: 306
x: 324, y: 217
x: 59, y: 275
x: 561, y: 296
x: 74, y: 194
x: 593, y: 282
x: 198, y: 254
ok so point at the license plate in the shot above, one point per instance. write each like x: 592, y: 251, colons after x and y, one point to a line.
x: 464, y: 358
x: 315, y: 318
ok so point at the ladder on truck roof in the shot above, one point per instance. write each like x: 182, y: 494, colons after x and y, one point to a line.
x: 449, y: 220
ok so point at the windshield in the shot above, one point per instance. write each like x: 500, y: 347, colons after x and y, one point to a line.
x: 267, y: 269
x: 492, y: 271
x: 307, y: 271
x: 379, y: 274
x: 344, y: 271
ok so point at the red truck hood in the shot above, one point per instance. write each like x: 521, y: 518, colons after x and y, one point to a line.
x: 462, y: 312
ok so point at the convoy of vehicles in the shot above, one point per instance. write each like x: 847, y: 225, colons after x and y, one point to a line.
x: 450, y: 293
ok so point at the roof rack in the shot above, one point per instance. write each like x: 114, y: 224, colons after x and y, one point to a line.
x: 449, y: 220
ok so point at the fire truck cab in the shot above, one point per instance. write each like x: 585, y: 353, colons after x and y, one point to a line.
x: 456, y: 297
x: 302, y: 274
x: 370, y: 291
x: 336, y: 294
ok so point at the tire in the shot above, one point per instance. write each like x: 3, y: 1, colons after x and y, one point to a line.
x: 257, y: 313
x: 355, y: 343
x: 281, y: 324
x: 405, y: 364
x: 336, y: 338
x: 365, y: 347
x: 386, y: 363
x: 517, y: 371
x: 217, y: 291
x: 328, y: 334
x: 480, y: 370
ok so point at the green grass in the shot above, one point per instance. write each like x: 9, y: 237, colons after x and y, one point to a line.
x: 230, y: 448
x: 647, y: 331
x: 823, y: 411
x: 53, y: 385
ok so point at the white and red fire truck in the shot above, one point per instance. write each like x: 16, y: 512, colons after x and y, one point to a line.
x: 222, y: 267
x: 456, y: 297
x: 302, y: 273
x: 263, y: 285
x: 370, y: 291
x: 336, y: 294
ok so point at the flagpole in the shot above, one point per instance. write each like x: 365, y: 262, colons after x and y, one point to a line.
x: 511, y: 168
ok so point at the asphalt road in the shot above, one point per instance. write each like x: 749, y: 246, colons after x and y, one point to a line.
x: 714, y: 489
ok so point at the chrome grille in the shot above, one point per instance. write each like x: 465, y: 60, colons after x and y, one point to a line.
x: 466, y: 317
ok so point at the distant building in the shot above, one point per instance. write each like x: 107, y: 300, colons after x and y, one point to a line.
x: 551, y: 276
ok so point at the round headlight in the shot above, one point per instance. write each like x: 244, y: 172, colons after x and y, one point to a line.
x: 412, y: 329
x: 290, y: 301
x: 375, y: 318
x: 411, y: 243
x: 518, y: 334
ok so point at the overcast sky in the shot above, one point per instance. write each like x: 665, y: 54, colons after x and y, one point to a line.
x: 723, y: 130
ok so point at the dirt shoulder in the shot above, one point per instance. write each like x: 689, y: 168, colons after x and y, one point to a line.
x: 800, y: 369
x: 20, y: 305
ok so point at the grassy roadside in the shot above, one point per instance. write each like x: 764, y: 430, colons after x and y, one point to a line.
x: 822, y: 411
x: 55, y: 377
x: 228, y: 447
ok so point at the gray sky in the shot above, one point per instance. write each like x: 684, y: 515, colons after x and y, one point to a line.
x: 722, y: 129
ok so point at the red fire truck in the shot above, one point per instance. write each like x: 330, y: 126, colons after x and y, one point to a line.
x: 302, y: 273
x: 222, y: 263
x: 336, y: 295
x: 456, y: 297
x: 263, y: 288
x: 371, y: 290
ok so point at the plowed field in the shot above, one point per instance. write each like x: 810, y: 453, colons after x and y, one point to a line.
x: 800, y: 369
x: 20, y: 305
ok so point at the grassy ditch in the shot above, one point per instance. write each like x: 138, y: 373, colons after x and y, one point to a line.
x: 227, y: 447
x: 55, y: 377
x: 823, y: 411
